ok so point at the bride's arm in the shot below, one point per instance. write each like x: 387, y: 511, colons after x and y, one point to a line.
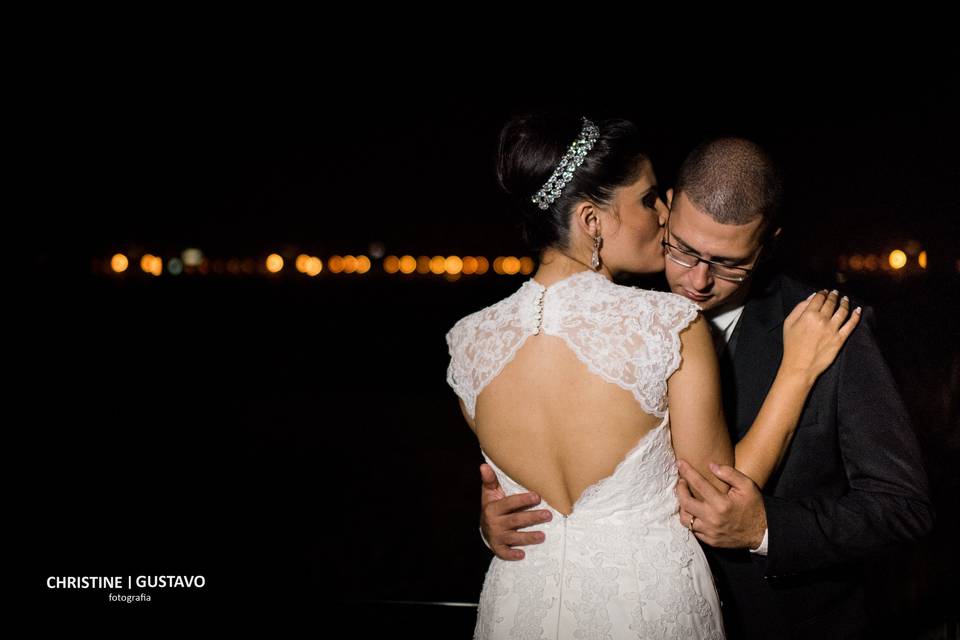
x: 697, y: 426
x: 813, y: 334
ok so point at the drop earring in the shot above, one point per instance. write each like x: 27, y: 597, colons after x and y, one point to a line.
x: 595, y: 259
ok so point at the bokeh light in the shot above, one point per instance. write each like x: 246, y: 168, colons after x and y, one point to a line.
x: 313, y: 266
x: 898, y: 259
x: 408, y: 264
x: 454, y: 265
x: 511, y: 266
x: 119, y: 263
x: 274, y: 263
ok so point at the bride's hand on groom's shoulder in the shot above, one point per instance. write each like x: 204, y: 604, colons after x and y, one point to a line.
x: 814, y: 332
x: 501, y: 516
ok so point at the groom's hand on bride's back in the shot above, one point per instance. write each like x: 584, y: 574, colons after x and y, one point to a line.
x: 502, y: 515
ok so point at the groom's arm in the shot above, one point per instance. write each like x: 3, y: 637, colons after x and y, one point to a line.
x: 887, y: 500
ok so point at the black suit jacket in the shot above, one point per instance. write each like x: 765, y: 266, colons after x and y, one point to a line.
x: 851, y: 485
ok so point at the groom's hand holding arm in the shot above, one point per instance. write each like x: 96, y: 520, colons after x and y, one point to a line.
x: 735, y: 519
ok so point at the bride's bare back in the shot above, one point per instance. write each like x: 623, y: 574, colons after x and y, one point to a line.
x: 560, y: 383
x: 554, y: 426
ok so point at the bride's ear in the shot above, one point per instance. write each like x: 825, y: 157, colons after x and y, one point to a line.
x: 669, y: 198
x: 586, y: 219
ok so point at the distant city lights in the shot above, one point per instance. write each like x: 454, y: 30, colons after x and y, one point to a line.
x: 408, y: 264
x: 151, y: 264
x: 192, y: 257
x: 391, y: 264
x: 898, y: 259
x: 119, y: 263
x: 274, y: 263
x: 909, y: 259
x: 314, y: 266
x: 454, y: 265
x: 906, y: 261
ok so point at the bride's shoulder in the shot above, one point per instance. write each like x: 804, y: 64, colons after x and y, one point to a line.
x: 659, y: 302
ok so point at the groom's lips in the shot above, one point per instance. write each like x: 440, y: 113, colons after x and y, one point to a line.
x: 696, y: 297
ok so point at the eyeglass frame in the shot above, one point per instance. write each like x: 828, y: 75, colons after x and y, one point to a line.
x: 748, y: 271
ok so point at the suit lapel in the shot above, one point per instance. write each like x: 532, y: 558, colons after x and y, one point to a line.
x: 759, y: 348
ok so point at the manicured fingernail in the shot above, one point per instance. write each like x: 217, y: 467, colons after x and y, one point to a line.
x: 845, y: 299
x: 858, y: 310
x: 811, y: 295
x: 714, y: 467
x: 834, y: 293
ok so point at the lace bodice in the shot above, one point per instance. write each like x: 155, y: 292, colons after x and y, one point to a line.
x: 620, y: 564
x: 627, y: 336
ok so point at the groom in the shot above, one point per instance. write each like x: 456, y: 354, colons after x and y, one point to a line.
x: 851, y: 485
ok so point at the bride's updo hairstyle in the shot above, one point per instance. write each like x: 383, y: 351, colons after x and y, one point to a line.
x: 532, y: 147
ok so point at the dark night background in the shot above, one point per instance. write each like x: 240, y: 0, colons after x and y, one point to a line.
x: 293, y: 439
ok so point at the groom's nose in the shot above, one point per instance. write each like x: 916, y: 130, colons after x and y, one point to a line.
x: 700, y: 277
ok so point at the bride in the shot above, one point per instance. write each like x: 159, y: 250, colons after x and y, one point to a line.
x: 587, y: 392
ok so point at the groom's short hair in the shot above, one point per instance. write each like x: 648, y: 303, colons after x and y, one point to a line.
x: 734, y: 181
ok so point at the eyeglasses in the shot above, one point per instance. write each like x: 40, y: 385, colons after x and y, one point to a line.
x: 717, y: 269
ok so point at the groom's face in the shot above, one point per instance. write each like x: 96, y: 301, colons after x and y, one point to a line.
x: 697, y: 233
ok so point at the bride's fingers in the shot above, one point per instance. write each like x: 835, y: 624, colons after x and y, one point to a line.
x: 816, y: 302
x: 840, y: 315
x: 798, y: 310
x: 830, y: 304
x: 851, y: 324
x: 700, y: 486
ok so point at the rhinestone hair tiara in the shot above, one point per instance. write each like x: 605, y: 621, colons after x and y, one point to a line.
x: 572, y: 159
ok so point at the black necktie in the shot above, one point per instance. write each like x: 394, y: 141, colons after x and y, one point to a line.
x: 727, y: 379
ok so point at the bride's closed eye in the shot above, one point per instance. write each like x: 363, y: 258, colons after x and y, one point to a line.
x: 650, y: 199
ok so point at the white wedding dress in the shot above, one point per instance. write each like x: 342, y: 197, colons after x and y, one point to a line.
x: 620, y: 565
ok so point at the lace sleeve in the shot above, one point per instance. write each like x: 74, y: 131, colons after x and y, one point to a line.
x: 458, y: 373
x: 676, y: 313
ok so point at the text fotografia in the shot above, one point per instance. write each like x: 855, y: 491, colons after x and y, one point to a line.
x: 128, y: 582
x: 119, y: 597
